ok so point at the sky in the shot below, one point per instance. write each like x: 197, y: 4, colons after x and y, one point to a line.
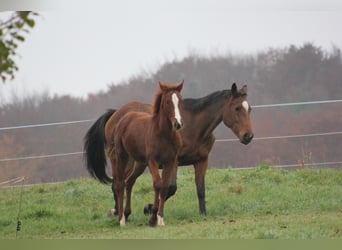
x: 82, y: 47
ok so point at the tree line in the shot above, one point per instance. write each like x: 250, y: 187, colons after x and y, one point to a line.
x: 290, y: 74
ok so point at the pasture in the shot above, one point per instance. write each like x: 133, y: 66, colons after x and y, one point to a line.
x: 260, y: 203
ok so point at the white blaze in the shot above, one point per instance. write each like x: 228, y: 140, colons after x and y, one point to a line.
x: 175, y: 104
x: 245, y: 105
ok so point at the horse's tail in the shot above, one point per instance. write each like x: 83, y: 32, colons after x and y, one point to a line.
x: 94, y: 148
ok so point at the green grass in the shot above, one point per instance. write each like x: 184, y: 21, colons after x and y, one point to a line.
x: 262, y: 203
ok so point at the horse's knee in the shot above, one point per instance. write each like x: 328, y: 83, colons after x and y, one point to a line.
x: 157, y: 185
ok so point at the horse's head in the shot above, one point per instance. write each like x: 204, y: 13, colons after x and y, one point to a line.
x: 171, y: 103
x: 236, y: 114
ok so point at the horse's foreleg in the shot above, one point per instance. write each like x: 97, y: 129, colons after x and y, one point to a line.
x: 173, y: 185
x: 171, y: 191
x: 134, y: 172
x: 153, y: 166
x: 200, y: 171
x: 168, y: 172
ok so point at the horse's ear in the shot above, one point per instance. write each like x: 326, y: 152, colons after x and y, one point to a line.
x: 234, y: 89
x: 162, y: 86
x: 180, y: 86
x: 244, y: 89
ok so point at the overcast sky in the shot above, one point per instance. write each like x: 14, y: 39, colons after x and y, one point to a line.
x: 82, y: 47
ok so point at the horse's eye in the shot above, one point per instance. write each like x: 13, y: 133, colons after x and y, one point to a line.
x: 238, y: 108
x: 168, y: 102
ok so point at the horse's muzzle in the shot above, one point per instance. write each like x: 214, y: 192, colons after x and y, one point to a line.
x: 177, y: 125
x: 247, y: 138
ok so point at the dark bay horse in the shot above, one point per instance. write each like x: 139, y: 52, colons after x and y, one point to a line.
x: 201, y: 116
x: 151, y: 139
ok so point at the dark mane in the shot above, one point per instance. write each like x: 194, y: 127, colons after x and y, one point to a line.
x: 196, y: 105
x: 157, y: 102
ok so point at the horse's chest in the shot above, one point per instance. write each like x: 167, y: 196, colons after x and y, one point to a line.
x: 163, y: 150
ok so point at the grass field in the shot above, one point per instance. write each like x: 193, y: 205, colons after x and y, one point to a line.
x: 262, y: 203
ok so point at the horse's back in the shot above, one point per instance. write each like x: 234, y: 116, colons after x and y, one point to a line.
x: 115, y: 118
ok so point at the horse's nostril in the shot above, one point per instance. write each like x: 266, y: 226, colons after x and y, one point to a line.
x: 247, y: 137
x: 178, y: 126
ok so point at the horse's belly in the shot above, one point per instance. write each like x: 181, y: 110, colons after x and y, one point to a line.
x: 188, y: 159
x: 192, y: 156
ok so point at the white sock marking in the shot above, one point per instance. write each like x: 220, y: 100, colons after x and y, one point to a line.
x: 245, y: 105
x: 122, y: 221
x: 175, y: 104
x: 160, y: 220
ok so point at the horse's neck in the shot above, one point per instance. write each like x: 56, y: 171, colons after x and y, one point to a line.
x: 208, y: 118
x: 213, y: 119
x: 162, y: 125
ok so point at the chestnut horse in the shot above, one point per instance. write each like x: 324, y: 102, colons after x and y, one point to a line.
x: 201, y: 116
x: 151, y: 139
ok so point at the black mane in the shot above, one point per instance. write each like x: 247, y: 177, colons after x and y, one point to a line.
x: 198, y: 104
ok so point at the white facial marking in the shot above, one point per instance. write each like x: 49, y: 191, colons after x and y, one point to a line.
x: 245, y: 105
x: 175, y: 104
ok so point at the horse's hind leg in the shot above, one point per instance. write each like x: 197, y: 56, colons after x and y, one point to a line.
x: 200, y: 171
x: 135, y: 170
x: 120, y: 188
x: 119, y: 185
x: 113, y: 211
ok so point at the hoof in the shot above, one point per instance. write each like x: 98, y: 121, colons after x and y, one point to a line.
x: 148, y: 209
x: 112, y: 213
x: 203, y: 213
x: 153, y: 221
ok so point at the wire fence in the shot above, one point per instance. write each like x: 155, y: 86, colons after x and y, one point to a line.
x: 92, y: 120
x: 217, y: 140
x: 46, y: 124
x: 20, y: 179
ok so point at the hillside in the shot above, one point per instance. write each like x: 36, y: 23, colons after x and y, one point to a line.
x: 290, y: 74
